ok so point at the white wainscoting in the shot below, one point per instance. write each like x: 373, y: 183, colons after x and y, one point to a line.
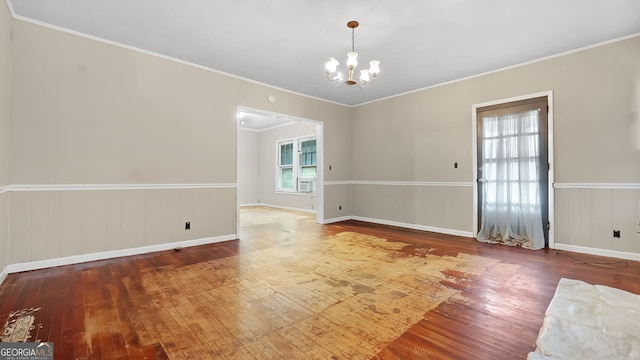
x: 587, y: 214
x: 443, y: 207
x: 3, y: 274
x: 308, y: 211
x: 62, y: 224
x: 3, y: 234
x: 68, y: 223
x: 415, y: 226
x: 76, y: 259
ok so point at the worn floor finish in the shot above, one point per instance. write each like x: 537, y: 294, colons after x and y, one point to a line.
x: 292, y: 289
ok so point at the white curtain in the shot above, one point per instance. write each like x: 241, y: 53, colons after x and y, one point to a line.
x: 511, y: 206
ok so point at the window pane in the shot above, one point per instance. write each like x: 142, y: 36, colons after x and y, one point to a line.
x: 308, y: 152
x: 286, y: 178
x: 286, y: 154
x: 309, y: 172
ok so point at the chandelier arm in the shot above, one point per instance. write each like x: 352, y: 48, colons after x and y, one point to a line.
x: 339, y: 82
x: 363, y: 84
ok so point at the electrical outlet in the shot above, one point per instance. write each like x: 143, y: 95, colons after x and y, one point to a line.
x: 616, y: 233
x: 187, y: 225
x: 340, y: 207
x: 455, y: 165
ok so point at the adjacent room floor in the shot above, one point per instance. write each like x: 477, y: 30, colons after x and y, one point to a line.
x: 293, y: 289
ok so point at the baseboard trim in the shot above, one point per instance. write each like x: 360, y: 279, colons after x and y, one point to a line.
x: 335, y: 220
x: 310, y: 211
x: 415, y: 226
x: 596, y: 251
x: 3, y: 274
x: 77, y: 259
x: 468, y: 234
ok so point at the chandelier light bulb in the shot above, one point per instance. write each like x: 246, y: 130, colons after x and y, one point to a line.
x: 331, y: 65
x: 352, y: 59
x: 364, y: 76
x: 374, y: 67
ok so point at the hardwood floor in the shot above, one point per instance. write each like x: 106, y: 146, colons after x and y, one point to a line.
x: 293, y: 289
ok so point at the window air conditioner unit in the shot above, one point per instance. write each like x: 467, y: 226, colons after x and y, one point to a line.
x: 304, y: 185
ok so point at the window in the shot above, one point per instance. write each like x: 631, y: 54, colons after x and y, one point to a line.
x: 308, y: 159
x: 297, y: 173
x: 285, y: 165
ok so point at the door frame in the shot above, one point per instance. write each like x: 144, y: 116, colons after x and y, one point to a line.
x: 319, y: 158
x: 551, y: 190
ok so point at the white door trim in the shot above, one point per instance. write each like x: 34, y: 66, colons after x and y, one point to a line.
x: 319, y: 153
x: 474, y: 134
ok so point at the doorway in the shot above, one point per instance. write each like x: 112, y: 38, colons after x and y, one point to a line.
x: 261, y: 136
x: 513, y: 200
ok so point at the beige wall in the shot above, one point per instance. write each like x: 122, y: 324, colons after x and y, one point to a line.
x: 110, y: 115
x: 417, y: 138
x: 5, y: 101
x: 338, y: 201
x: 85, y: 112
x: 4, y: 249
x: 106, y: 115
x: 248, y: 166
x: 5, y: 91
x: 267, y: 172
x: 337, y: 168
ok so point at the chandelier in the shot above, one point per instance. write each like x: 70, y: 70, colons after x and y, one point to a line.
x: 367, y: 76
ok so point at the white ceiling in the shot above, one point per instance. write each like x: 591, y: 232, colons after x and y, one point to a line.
x: 285, y: 43
x: 259, y: 121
